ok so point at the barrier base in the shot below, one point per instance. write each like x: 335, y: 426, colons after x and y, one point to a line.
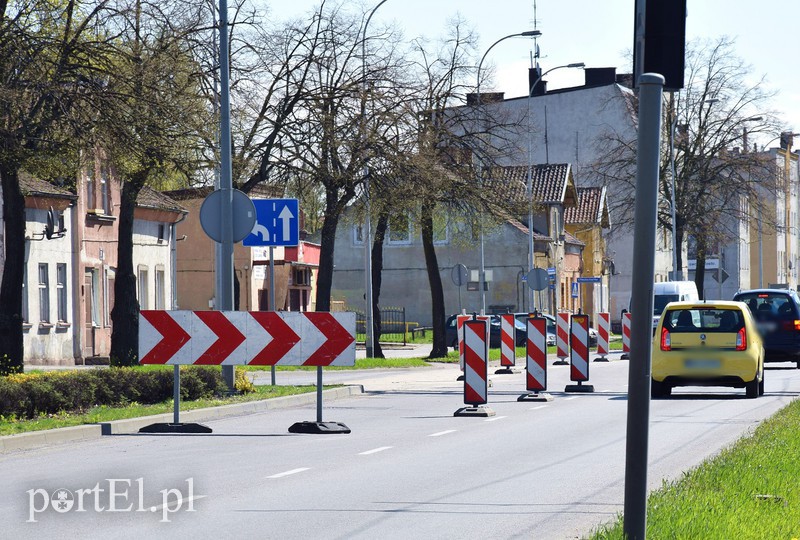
x: 508, y: 370
x: 579, y: 388
x: 472, y: 410
x: 625, y: 356
x: 165, y: 427
x: 318, y: 427
x: 561, y: 362
x: 535, y: 396
x: 460, y: 377
x: 601, y: 359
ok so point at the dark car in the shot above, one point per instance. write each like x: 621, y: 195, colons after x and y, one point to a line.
x: 551, y: 328
x: 777, y: 315
x: 451, y: 337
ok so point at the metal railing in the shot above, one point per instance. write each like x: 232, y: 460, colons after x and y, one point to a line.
x: 393, y: 325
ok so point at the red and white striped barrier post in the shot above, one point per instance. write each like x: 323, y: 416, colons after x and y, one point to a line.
x: 603, y: 331
x: 508, y: 344
x: 579, y: 355
x: 460, y: 320
x: 536, y: 361
x: 476, y: 366
x: 562, y: 338
x: 626, y: 335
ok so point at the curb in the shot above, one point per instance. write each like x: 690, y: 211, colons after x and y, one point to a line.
x: 24, y: 441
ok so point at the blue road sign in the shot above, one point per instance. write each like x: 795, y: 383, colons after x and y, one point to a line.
x: 589, y: 279
x: 277, y: 223
x: 574, y: 289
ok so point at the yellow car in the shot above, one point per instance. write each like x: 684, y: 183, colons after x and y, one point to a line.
x: 712, y: 343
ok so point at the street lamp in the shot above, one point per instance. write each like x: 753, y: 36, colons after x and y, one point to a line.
x: 482, y: 277
x: 369, y: 338
x: 529, y: 185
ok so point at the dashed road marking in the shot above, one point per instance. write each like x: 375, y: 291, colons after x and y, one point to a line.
x: 537, y: 408
x: 495, y: 418
x: 288, y: 473
x: 375, y: 450
x: 569, y: 398
x: 440, y: 433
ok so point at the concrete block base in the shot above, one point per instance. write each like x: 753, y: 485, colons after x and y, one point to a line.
x: 584, y: 388
x: 535, y: 396
x: 480, y: 410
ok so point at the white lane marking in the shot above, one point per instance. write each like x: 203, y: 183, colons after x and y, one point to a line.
x: 287, y: 473
x: 375, y: 450
x: 537, y: 408
x: 495, y: 418
x: 177, y: 503
x: 569, y: 398
x: 440, y: 433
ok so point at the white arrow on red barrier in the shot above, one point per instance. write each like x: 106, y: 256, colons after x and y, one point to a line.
x: 239, y: 337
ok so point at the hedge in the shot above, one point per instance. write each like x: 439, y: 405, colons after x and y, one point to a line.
x: 33, y: 394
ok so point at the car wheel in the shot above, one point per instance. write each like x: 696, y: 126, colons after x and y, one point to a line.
x: 659, y: 389
x: 761, y: 387
x: 752, y: 389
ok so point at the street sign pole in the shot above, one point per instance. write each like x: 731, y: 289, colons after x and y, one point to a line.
x: 272, y: 297
x: 638, y: 416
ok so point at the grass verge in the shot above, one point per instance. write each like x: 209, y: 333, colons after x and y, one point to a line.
x: 108, y: 414
x: 749, y: 490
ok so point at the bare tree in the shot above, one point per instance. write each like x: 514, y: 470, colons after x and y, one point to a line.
x: 714, y: 173
x: 152, y: 126
x: 50, y: 54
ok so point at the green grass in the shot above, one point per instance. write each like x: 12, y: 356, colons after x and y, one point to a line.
x: 108, y: 414
x: 750, y: 490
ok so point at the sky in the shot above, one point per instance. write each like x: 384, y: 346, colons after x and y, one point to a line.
x: 600, y: 34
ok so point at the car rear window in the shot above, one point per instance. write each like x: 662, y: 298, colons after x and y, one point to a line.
x: 704, y: 320
x: 769, y: 306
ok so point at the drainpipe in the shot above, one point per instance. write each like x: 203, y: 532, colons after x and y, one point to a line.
x: 174, y: 261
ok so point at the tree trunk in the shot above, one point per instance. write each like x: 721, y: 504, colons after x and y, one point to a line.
x: 125, y: 315
x: 377, y: 269
x: 11, y: 291
x: 325, y: 271
x: 435, y: 280
x: 700, y: 269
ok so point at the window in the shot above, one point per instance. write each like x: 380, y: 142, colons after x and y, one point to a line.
x: 44, y: 293
x: 61, y: 291
x: 143, y: 292
x: 105, y: 190
x: 90, y: 198
x: 25, y: 313
x: 441, y: 233
x: 108, y: 295
x: 358, y: 234
x: 399, y: 230
x: 160, y: 289
x: 163, y: 235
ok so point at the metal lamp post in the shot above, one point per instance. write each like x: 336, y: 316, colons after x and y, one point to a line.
x: 529, y: 184
x: 482, y: 277
x: 369, y: 342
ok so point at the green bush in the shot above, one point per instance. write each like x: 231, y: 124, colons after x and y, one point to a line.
x: 32, y: 395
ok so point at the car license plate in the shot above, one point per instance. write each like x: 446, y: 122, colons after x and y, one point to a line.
x: 701, y: 363
x: 766, y: 327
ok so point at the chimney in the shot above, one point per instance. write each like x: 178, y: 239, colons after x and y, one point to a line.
x: 533, y: 75
x: 600, y: 76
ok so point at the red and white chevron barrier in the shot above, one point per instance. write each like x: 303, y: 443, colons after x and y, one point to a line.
x: 626, y: 334
x: 262, y: 338
x: 562, y: 337
x: 579, y: 356
x: 476, y: 362
x: 603, y: 331
x: 508, y: 340
x: 460, y: 320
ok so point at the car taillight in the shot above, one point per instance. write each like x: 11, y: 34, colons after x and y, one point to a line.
x: 791, y: 325
x: 741, y: 340
x: 666, y: 341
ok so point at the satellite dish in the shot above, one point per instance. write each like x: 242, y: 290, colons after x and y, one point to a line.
x: 49, y: 228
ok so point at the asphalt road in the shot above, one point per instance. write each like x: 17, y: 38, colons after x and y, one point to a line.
x: 408, y: 469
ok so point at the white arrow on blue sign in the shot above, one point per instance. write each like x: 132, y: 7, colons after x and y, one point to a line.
x: 277, y: 223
